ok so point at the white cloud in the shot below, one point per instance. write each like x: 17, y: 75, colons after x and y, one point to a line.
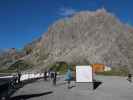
x: 66, y: 11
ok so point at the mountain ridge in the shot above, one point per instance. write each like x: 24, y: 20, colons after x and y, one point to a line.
x: 84, y: 38
x: 89, y: 37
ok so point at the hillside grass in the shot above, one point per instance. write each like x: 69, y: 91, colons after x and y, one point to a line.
x: 59, y: 67
x: 18, y: 66
x: 116, y: 71
x: 121, y: 71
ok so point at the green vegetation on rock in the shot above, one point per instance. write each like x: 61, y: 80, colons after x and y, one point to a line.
x: 121, y: 71
x: 60, y: 67
x: 20, y: 65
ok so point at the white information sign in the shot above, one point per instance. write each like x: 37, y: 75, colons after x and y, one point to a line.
x: 84, y: 74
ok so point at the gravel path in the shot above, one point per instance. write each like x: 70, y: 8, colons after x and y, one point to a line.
x: 112, y: 88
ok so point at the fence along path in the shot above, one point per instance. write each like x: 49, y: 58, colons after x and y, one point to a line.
x: 28, y: 76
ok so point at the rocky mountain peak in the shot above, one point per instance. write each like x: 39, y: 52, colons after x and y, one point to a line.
x: 89, y: 37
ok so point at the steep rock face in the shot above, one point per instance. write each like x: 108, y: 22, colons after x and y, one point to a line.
x: 89, y: 37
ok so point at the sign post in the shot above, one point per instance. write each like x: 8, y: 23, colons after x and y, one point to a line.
x: 84, y: 76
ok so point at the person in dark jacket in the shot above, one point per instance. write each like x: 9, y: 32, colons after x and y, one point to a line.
x: 45, y: 75
x: 19, y: 76
x: 54, y: 78
x: 129, y: 77
x: 52, y: 75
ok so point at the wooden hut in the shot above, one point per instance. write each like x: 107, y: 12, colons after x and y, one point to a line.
x: 98, y: 67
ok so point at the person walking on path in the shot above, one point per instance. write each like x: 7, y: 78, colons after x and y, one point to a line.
x: 45, y: 75
x: 51, y: 75
x: 54, y: 78
x: 68, y: 78
x: 18, y: 76
x: 129, y: 77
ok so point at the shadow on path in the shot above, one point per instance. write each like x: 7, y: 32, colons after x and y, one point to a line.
x: 25, y: 97
x: 60, y: 84
x: 9, y: 88
x: 71, y: 87
x: 96, y: 84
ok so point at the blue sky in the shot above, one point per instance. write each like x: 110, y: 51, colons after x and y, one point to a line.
x: 22, y: 21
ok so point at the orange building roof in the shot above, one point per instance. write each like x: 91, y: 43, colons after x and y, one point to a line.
x: 98, y: 67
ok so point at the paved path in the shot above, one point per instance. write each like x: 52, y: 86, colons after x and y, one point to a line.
x: 112, y: 88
